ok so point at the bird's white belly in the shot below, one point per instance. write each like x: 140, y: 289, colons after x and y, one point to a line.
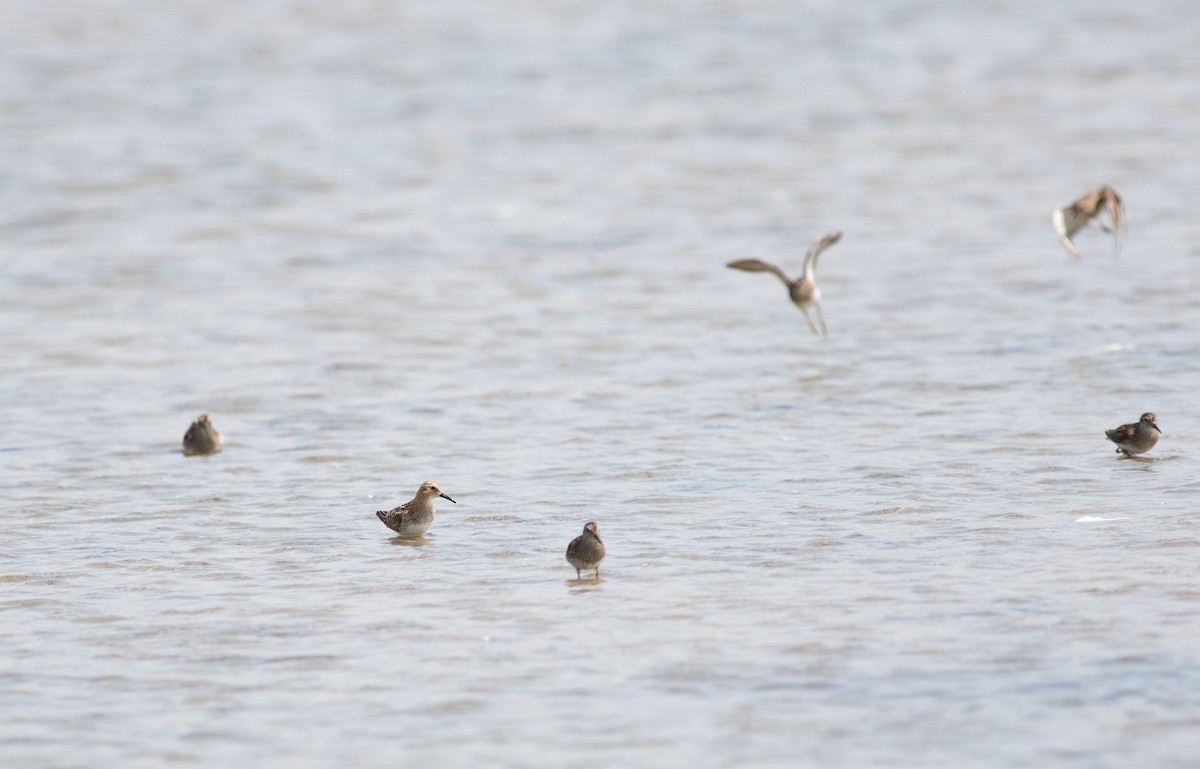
x: 416, y: 527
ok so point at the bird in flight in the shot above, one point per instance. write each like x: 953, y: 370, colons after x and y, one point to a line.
x: 1069, y: 220
x: 803, y: 290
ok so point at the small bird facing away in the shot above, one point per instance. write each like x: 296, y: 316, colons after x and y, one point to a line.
x: 1136, y: 438
x: 413, y: 518
x: 802, y: 290
x: 1069, y: 220
x: 587, y: 550
x: 202, y: 437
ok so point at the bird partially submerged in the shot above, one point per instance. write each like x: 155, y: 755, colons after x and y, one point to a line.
x: 1069, y: 220
x: 202, y: 437
x: 803, y: 290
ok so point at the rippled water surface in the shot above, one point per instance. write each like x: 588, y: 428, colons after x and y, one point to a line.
x: 484, y: 244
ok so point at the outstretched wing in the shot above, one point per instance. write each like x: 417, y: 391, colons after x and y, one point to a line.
x: 1069, y: 220
x: 822, y: 243
x: 758, y: 265
x: 1116, y: 208
x: 1066, y: 224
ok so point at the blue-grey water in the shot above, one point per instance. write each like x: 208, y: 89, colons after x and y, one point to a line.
x: 484, y: 244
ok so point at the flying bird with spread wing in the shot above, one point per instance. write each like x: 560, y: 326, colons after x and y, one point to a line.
x: 803, y: 290
x: 1069, y: 220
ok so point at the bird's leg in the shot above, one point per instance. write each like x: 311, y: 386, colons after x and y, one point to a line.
x: 808, y: 320
x: 821, y: 317
x: 577, y: 574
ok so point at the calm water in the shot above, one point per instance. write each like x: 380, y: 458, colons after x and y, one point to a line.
x: 484, y: 244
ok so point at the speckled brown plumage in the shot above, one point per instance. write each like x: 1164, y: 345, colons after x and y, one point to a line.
x: 413, y: 518
x: 587, y: 550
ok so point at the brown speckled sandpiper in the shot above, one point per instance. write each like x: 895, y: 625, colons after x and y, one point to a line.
x: 587, y: 550
x: 202, y: 437
x: 1069, y: 220
x: 1136, y: 438
x: 803, y: 290
x: 413, y: 518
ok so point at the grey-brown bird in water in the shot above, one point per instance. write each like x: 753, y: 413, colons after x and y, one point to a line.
x: 1136, y: 438
x: 413, y: 518
x: 202, y: 437
x: 803, y: 290
x: 587, y: 550
x: 1069, y: 220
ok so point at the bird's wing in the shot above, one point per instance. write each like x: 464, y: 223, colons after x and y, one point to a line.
x: 1122, y: 433
x: 1066, y: 224
x: 400, y: 511
x: 822, y: 243
x: 1116, y: 208
x: 758, y: 265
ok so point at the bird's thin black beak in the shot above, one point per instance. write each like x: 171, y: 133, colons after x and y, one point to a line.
x: 443, y: 496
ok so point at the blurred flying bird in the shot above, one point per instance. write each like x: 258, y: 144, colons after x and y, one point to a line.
x: 803, y: 290
x: 1069, y: 220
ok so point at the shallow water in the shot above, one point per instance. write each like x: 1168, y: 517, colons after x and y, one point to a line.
x: 485, y: 244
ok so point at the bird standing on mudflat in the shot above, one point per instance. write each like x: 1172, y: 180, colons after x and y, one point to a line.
x: 1069, y: 220
x: 413, y: 518
x: 803, y: 290
x: 202, y: 437
x: 587, y: 550
x: 1136, y: 438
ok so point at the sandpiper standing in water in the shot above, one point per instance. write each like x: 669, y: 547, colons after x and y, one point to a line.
x: 1136, y: 438
x: 587, y: 550
x: 413, y: 518
x: 202, y: 437
x: 802, y: 290
x: 1069, y: 220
